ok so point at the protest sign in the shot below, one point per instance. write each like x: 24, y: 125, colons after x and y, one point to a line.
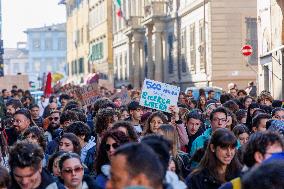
x: 123, y: 95
x: 88, y: 94
x: 159, y: 96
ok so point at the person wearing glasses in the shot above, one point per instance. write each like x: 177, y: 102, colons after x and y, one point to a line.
x: 26, y: 168
x: 21, y: 122
x: 53, y: 129
x: 110, y: 141
x: 218, y: 119
x: 72, y: 173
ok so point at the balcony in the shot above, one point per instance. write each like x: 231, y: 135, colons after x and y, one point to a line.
x: 156, y: 8
x: 133, y: 23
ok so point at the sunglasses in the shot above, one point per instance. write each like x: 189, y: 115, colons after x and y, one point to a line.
x: 53, y: 118
x: 114, y: 145
x: 70, y: 171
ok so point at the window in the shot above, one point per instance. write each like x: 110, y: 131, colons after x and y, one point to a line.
x: 121, y: 68
x: 49, y: 64
x: 201, y: 45
x: 81, y: 65
x: 61, y: 64
x: 36, y: 63
x: 82, y: 35
x: 251, y: 24
x: 192, y: 48
x: 62, y: 44
x: 170, y: 61
x: 97, y: 51
x: 36, y: 44
x: 76, y: 66
x: 98, y: 14
x: 183, y: 51
x: 115, y: 68
x: 73, y: 65
x: 114, y: 18
x: 67, y: 70
x: 48, y: 44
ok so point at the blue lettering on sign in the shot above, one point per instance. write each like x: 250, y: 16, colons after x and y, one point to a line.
x: 154, y: 86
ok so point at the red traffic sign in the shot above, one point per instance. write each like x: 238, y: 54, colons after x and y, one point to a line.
x: 247, y: 50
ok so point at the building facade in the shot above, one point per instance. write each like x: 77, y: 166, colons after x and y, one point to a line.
x: 89, y: 40
x: 47, y: 50
x: 16, y: 60
x: 100, y: 44
x: 210, y: 49
x: 169, y: 41
x: 77, y: 29
x: 270, y: 44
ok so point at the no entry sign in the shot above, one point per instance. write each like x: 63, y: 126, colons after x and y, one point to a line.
x: 247, y: 50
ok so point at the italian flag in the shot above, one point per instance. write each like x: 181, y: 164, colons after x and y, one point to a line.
x: 119, y: 11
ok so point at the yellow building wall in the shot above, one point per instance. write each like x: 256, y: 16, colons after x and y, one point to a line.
x: 78, y: 21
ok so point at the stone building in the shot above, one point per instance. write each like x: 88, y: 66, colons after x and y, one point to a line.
x: 47, y: 50
x: 271, y: 36
x: 169, y: 41
x: 16, y: 60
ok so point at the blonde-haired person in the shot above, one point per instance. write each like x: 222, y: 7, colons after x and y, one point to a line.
x: 181, y: 159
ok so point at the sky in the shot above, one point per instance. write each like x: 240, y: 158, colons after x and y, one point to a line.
x: 18, y: 15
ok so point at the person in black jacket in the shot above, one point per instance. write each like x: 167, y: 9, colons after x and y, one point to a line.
x: 219, y: 164
x: 26, y: 168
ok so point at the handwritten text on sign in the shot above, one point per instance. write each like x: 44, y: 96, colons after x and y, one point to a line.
x: 88, y: 94
x: 159, y: 96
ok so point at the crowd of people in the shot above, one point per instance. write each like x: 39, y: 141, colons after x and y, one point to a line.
x: 232, y: 142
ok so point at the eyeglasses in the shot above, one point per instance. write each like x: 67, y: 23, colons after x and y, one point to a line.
x: 218, y: 119
x: 53, y: 118
x: 17, y: 121
x: 70, y: 171
x: 114, y: 145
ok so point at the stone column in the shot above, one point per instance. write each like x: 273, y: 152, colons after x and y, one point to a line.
x: 136, y: 64
x: 142, y: 63
x: 130, y: 61
x: 165, y: 56
x: 150, y: 63
x: 158, y: 52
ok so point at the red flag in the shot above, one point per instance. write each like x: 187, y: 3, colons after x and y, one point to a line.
x: 119, y: 13
x: 48, y: 89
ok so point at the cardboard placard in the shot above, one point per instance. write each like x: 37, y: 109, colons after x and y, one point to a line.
x: 88, y: 94
x: 123, y: 95
x: 159, y: 96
